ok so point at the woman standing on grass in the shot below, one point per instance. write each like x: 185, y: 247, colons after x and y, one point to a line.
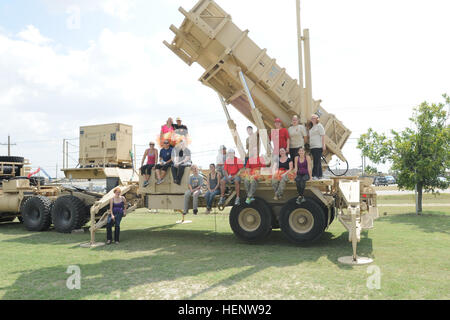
x: 304, y: 173
x: 118, y: 209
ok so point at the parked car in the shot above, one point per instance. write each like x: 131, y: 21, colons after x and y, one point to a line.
x: 380, y: 181
x: 390, y: 180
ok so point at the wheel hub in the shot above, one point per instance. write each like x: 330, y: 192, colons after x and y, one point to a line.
x: 249, y: 219
x: 301, y: 220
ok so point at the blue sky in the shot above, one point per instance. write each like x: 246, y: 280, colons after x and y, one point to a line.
x: 372, y: 61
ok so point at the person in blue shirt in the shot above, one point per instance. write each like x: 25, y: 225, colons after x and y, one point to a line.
x: 165, y: 162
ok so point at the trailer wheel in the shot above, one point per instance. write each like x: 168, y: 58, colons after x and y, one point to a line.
x: 68, y: 214
x: 36, y: 213
x: 251, y: 223
x: 304, y: 223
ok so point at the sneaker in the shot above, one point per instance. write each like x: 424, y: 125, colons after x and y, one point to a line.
x: 116, y: 242
x: 146, y: 184
x: 299, y: 200
x: 248, y: 201
x: 108, y: 242
x: 221, y: 201
x: 237, y: 202
x: 195, y: 212
x: 159, y: 182
x: 275, y: 198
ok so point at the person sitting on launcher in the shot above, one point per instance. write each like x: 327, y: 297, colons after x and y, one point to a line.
x: 146, y: 170
x: 232, y: 168
x: 281, y: 170
x: 181, y: 157
x: 213, y: 185
x: 165, y: 162
x: 195, y: 190
x: 251, y: 177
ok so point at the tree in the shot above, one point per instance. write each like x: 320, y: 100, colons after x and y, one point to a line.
x: 371, y: 170
x: 420, y: 153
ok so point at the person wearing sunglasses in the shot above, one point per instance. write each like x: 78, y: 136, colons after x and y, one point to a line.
x: 165, y: 162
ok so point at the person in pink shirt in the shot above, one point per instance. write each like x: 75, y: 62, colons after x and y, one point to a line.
x: 167, y: 131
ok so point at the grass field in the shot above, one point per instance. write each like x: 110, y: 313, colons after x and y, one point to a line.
x: 158, y: 259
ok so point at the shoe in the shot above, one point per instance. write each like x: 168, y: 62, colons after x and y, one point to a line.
x: 248, y: 201
x: 159, y: 182
x: 221, y: 201
x: 299, y: 200
x: 116, y: 242
x: 175, y: 181
x: 252, y: 199
x: 108, y: 242
x: 195, y: 212
x: 146, y: 184
x: 237, y: 202
x: 275, y: 198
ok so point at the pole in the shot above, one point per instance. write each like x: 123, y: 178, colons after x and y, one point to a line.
x: 64, y: 153
x: 303, y: 116
x: 308, y: 77
x: 67, y: 154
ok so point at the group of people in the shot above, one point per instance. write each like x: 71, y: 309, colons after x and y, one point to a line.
x: 292, y: 148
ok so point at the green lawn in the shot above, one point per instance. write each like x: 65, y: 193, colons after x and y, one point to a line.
x: 160, y: 260
x: 442, y: 198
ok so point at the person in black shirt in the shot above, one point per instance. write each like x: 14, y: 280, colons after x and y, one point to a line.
x: 180, y: 128
x: 281, y: 170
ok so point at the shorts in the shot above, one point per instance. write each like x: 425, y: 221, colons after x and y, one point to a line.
x: 163, y: 167
x: 232, y: 180
x: 147, y: 169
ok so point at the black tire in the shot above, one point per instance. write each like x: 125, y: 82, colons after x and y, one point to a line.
x: 251, y: 231
x: 303, y: 224
x: 68, y: 214
x: 12, y: 159
x: 36, y: 213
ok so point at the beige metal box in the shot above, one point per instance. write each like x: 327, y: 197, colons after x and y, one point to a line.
x: 14, y: 185
x: 108, y: 144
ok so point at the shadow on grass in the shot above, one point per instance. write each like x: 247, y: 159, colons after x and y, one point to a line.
x: 171, y: 254
x: 429, y: 221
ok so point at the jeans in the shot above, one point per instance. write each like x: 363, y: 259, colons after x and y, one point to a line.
x: 279, y: 185
x: 209, y: 197
x: 187, y: 198
x: 250, y: 185
x: 177, y: 173
x: 116, y: 223
x: 317, y: 162
x: 293, y: 152
x: 301, y: 180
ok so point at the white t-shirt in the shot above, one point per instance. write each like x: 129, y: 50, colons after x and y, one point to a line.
x: 297, y: 135
x: 315, y: 136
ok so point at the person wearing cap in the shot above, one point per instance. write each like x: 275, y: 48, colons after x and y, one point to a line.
x: 298, y: 136
x: 232, y: 168
x: 180, y: 128
x: 280, y: 138
x: 317, y: 146
x: 146, y: 170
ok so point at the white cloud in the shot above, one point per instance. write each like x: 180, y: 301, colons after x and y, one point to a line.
x: 32, y: 34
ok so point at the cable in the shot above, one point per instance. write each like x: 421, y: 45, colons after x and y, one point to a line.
x: 337, y: 175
